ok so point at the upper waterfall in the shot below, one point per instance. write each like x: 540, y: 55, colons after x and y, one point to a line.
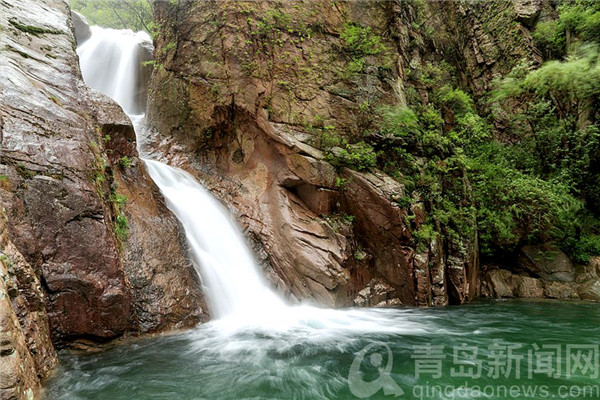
x: 112, y: 62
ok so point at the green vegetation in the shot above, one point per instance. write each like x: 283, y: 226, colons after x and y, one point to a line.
x: 25, y: 172
x: 558, y: 136
x: 359, y: 156
x: 125, y: 162
x: 122, y: 227
x: 514, y: 207
x: 520, y: 166
x: 121, y: 223
x: 118, y: 14
x: 360, y: 42
x: 578, y: 22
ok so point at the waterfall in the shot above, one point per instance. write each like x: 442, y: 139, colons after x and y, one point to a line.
x: 237, y: 293
x: 111, y: 62
x: 233, y: 282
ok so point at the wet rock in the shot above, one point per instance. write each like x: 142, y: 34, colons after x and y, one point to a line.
x: 19, y: 344
x: 165, y: 289
x: 66, y: 192
x: 56, y: 219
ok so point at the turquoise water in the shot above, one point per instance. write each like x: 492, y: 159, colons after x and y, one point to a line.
x: 553, y: 350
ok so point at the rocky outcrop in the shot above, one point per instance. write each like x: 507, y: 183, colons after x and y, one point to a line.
x: 81, y: 27
x: 26, y: 352
x: 245, y: 103
x: 590, y: 290
x: 377, y: 293
x: 503, y: 283
x: 56, y: 218
x: 164, y: 287
x: 89, y: 250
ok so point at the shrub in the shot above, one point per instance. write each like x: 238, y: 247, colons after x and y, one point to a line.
x: 584, y: 248
x: 361, y: 41
x: 514, y: 208
x: 122, y: 227
x: 126, y: 162
x: 359, y: 156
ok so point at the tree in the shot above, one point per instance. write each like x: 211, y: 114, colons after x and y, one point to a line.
x: 118, y: 14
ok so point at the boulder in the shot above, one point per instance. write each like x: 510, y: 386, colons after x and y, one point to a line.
x: 528, y: 11
x: 594, y: 266
x: 377, y: 293
x: 500, y: 283
x: 546, y: 262
x: 590, y: 290
x: 560, y: 290
x: 81, y: 26
x: 527, y: 287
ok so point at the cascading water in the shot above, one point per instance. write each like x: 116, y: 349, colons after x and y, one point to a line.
x: 111, y: 62
x: 236, y: 291
x: 233, y: 283
x: 228, y: 269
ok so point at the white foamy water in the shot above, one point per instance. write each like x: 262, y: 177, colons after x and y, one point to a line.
x: 111, y: 63
x: 239, y: 297
x: 228, y: 270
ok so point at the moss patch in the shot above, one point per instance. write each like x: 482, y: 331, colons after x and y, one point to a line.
x: 34, y: 30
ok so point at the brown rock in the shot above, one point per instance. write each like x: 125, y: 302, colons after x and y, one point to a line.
x: 527, y: 287
x: 560, y: 290
x: 248, y: 124
x: 19, y: 343
x: 62, y: 201
x: 595, y: 265
x: 500, y: 283
x: 590, y: 290
x: 377, y: 294
x: 528, y: 11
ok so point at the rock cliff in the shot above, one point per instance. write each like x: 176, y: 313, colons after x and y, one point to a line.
x: 245, y: 94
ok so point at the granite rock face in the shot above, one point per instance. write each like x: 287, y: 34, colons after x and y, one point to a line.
x: 26, y: 351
